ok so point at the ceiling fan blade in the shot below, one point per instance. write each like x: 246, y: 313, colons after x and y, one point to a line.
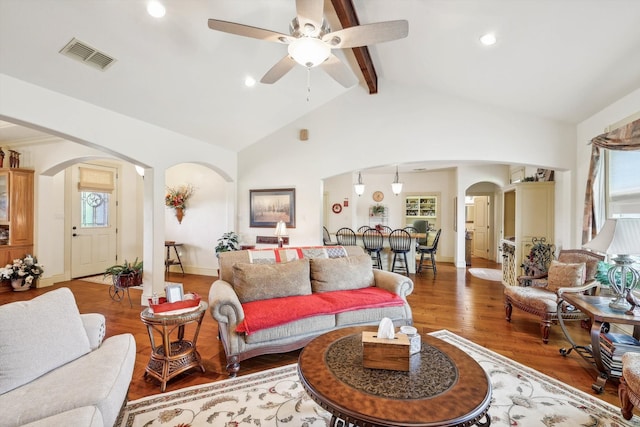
x: 368, y: 34
x: 281, y: 68
x: 249, y: 31
x: 310, y: 12
x: 338, y: 71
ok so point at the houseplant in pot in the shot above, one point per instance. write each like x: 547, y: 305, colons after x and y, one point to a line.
x: 126, y: 274
x: 228, y: 242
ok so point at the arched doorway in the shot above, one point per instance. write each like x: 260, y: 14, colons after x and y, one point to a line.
x: 480, y: 219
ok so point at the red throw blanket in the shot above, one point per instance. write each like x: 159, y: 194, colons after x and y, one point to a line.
x: 273, y: 312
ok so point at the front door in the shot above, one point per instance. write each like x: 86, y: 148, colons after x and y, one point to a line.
x: 93, y: 221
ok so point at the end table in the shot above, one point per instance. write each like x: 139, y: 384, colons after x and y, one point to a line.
x: 172, y: 358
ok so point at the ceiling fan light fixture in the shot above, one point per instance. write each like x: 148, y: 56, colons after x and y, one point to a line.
x: 309, y: 51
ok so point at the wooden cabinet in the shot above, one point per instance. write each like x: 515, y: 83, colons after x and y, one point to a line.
x: 421, y: 207
x: 528, y: 213
x: 16, y: 214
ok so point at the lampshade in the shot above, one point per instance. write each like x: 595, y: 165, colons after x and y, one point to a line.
x: 281, y: 229
x: 619, y: 236
x: 359, y: 186
x: 396, y: 186
x: 309, y: 51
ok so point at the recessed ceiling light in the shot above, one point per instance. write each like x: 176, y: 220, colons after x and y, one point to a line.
x: 156, y: 9
x: 488, y: 39
x: 249, y: 81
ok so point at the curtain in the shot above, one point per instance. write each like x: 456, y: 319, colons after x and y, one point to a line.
x: 624, y: 138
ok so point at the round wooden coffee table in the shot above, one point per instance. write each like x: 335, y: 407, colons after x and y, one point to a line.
x: 445, y: 386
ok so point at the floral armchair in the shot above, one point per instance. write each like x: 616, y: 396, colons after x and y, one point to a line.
x: 574, y: 271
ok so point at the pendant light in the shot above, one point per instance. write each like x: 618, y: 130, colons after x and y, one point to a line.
x: 359, y: 187
x: 396, y: 186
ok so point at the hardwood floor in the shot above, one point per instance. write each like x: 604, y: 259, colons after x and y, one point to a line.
x: 455, y: 300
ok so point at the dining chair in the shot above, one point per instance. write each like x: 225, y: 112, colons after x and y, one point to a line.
x: 429, y: 250
x: 423, y: 227
x: 363, y: 228
x: 326, y: 238
x: 400, y: 244
x: 373, y: 244
x: 346, y: 237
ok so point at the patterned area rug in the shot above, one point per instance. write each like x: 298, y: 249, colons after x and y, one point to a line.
x: 521, y: 397
x: 486, y: 274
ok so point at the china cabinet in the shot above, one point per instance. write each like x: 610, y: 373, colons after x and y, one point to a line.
x: 421, y: 207
x: 16, y: 215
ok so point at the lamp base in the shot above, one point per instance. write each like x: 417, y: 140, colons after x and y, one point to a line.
x: 619, y: 303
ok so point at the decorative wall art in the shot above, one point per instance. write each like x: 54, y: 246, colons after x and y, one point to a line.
x: 267, y: 207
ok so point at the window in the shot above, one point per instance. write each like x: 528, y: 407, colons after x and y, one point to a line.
x: 94, y: 209
x: 623, y: 184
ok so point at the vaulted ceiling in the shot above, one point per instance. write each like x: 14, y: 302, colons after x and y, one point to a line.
x: 561, y: 60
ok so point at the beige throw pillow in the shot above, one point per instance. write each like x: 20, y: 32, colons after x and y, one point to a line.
x: 254, y: 282
x: 564, y: 275
x: 338, y: 274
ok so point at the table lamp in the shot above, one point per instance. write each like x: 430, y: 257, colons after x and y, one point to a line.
x: 619, y: 237
x: 281, y: 230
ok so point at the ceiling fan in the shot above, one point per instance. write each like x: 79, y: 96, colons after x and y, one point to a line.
x: 310, y: 40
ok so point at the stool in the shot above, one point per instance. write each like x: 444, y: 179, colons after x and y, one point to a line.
x: 629, y: 388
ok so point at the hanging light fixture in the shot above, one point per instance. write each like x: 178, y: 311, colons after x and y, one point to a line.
x: 359, y: 187
x: 396, y: 186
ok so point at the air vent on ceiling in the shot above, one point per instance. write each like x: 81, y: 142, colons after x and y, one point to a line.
x: 83, y: 52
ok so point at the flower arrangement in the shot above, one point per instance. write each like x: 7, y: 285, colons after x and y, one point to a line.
x: 177, y: 197
x: 26, y: 268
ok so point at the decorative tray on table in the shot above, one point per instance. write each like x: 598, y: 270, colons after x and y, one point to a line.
x: 190, y: 302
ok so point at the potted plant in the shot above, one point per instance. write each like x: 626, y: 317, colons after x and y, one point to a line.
x: 23, y: 272
x: 228, y: 242
x: 126, y: 274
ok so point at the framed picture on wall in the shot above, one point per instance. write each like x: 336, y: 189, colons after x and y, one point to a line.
x: 267, y: 207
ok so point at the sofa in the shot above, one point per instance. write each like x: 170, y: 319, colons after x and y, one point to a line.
x: 56, y: 368
x: 277, y: 300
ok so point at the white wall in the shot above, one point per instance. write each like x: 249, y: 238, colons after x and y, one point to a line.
x: 204, y: 219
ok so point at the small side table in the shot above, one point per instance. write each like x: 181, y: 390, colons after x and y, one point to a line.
x: 168, y: 262
x: 172, y: 358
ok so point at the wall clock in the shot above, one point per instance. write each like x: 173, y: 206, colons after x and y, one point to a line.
x: 336, y: 208
x: 378, y: 196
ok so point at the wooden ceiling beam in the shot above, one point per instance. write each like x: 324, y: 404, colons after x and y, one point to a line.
x: 348, y: 18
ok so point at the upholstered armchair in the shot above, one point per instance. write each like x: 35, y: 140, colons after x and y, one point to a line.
x: 629, y: 388
x: 574, y: 271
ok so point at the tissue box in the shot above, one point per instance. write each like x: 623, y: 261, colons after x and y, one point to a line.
x: 383, y: 353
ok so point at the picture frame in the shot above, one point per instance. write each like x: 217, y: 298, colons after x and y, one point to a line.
x: 267, y: 207
x: 174, y: 292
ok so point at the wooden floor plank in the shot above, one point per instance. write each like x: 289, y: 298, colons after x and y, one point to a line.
x: 454, y: 300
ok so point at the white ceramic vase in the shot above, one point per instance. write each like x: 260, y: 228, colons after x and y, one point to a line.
x: 19, y: 285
